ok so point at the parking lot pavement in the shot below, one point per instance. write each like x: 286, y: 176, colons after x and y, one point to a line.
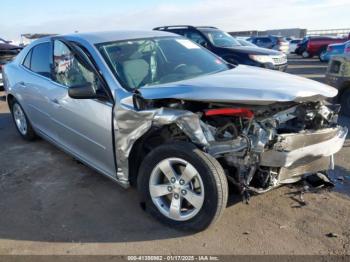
x: 310, y: 68
x: 50, y: 204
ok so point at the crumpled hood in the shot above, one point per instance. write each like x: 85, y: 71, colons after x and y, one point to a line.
x: 245, y: 85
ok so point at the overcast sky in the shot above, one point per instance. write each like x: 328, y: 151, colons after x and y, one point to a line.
x: 66, y: 16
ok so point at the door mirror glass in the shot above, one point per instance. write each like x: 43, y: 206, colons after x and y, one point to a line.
x: 86, y: 91
x: 82, y: 91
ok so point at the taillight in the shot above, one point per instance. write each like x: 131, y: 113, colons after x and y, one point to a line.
x: 242, y: 112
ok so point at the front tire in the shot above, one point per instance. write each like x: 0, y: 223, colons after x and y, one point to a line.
x: 321, y: 55
x: 22, y: 123
x: 182, y: 186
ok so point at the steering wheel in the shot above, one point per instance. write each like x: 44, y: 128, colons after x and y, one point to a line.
x: 179, y: 66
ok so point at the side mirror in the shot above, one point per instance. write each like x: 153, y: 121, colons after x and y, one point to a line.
x: 85, y: 91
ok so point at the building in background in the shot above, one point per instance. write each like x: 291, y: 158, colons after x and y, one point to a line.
x: 295, y: 32
x: 26, y: 39
x: 290, y: 32
x: 330, y: 32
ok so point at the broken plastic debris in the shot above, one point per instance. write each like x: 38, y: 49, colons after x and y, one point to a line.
x: 331, y: 235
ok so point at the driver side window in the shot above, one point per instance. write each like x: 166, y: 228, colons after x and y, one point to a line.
x: 69, y: 71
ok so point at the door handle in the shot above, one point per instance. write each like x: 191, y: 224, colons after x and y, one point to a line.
x: 55, y: 102
x: 22, y: 84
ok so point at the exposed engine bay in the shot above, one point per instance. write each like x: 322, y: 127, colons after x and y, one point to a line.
x: 262, y: 147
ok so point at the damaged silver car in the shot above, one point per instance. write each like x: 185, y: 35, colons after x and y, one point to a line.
x: 157, y: 111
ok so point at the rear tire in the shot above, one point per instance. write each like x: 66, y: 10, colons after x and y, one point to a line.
x: 345, y: 102
x: 306, y: 54
x: 22, y: 123
x: 205, y: 171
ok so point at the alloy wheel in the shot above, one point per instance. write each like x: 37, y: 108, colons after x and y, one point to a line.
x: 176, y: 189
x: 20, y: 119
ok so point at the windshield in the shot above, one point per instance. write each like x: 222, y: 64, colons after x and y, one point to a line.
x: 153, y: 61
x: 220, y: 38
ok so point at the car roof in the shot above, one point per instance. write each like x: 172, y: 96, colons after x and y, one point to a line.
x: 268, y: 36
x: 339, y: 44
x: 110, y: 36
x: 174, y: 27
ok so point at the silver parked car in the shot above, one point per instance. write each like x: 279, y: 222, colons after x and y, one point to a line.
x: 156, y: 110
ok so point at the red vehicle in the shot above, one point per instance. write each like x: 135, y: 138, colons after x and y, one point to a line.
x: 318, y: 45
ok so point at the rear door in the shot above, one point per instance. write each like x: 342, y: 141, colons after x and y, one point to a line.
x: 84, y: 126
x: 35, y: 86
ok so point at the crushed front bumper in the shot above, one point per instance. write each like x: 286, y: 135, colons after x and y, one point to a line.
x: 301, y: 153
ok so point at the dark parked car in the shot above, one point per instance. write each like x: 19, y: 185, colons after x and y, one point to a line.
x: 7, y: 53
x: 301, y: 47
x: 338, y: 75
x: 228, y: 48
x: 278, y: 43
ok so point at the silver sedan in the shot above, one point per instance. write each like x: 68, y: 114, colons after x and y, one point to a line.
x: 158, y: 111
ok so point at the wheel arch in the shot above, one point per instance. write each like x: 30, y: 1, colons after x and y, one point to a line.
x: 149, y: 141
x: 10, y: 98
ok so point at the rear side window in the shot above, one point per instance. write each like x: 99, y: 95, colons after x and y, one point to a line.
x: 263, y: 40
x: 281, y: 39
x: 26, y: 62
x: 40, y: 59
x: 177, y: 31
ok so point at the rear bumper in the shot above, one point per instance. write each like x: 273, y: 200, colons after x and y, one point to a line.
x: 297, y: 154
x: 1, y: 83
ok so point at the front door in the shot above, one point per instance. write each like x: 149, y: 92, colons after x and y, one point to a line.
x: 84, y: 126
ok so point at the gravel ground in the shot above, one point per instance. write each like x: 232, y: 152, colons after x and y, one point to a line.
x: 50, y: 204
